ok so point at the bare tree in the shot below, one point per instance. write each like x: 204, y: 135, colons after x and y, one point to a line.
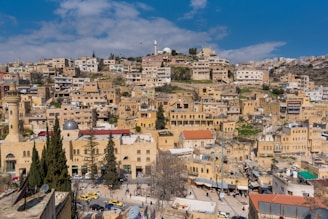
x: 320, y: 197
x: 169, y: 177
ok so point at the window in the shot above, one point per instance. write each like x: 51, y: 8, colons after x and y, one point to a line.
x: 138, y: 159
x: 85, y: 151
x: 148, y: 152
x: 138, y: 152
x: 28, y: 153
x: 148, y: 159
x: 74, y: 152
x: 24, y: 153
x: 78, y: 151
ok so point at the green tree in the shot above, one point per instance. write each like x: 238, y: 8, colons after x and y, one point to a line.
x: 92, y: 152
x: 193, y: 51
x: 111, y: 174
x: 57, y: 170
x: 35, y: 179
x: 160, y: 119
x: 138, y: 129
x: 43, y: 164
x: 265, y: 87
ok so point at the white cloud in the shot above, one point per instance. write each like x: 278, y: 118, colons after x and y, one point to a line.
x: 101, y: 26
x: 252, y: 53
x: 198, y: 4
x: 84, y: 26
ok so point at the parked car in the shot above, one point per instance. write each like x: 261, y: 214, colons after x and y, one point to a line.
x: 83, y: 197
x: 96, y: 207
x: 93, y: 195
x: 77, y: 177
x: 109, y: 206
x: 116, y: 202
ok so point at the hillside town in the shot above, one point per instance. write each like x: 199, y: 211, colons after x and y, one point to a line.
x: 253, y: 134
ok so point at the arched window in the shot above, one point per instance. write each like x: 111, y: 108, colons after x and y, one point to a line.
x: 126, y: 158
x: 28, y: 153
x: 10, y: 156
x: 24, y: 153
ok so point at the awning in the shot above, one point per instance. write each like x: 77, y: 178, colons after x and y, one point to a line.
x: 210, y: 183
x: 75, y: 167
x: 231, y: 186
x: 242, y: 187
x: 307, y: 175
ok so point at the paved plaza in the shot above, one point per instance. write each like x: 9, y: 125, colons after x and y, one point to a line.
x: 233, y: 206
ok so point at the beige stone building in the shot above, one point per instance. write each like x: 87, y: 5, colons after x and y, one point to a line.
x: 84, y: 116
x: 200, y: 70
x: 196, y: 138
x: 295, y: 139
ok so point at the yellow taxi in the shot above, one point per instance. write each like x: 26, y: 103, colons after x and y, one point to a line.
x: 83, y: 197
x: 93, y: 195
x: 116, y: 202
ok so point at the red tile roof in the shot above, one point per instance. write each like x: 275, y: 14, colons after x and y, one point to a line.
x: 95, y: 132
x: 106, y: 132
x: 278, y: 199
x: 198, y: 134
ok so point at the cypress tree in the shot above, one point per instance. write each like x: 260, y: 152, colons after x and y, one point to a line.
x: 57, y: 170
x: 43, y: 164
x: 111, y: 174
x: 160, y: 119
x: 34, y: 179
x: 91, y: 149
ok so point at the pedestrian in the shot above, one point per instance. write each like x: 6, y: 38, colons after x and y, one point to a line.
x: 206, y: 194
x: 190, y: 193
x: 243, y: 208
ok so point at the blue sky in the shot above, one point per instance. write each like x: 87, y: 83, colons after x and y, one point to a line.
x: 240, y: 30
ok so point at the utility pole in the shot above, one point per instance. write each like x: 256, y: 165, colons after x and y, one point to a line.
x: 222, y: 171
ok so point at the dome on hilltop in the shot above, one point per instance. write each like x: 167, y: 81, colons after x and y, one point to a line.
x: 167, y: 50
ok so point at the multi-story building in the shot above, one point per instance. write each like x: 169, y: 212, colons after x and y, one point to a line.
x: 85, y: 117
x: 87, y: 64
x: 289, y: 183
x: 60, y: 63
x: 249, y: 76
x: 295, y: 139
x: 200, y: 70
x: 154, y: 76
x: 63, y: 83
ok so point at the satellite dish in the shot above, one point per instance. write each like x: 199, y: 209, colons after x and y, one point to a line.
x: 134, y: 212
x: 45, y: 188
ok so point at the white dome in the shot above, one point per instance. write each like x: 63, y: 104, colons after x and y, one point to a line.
x: 167, y: 50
